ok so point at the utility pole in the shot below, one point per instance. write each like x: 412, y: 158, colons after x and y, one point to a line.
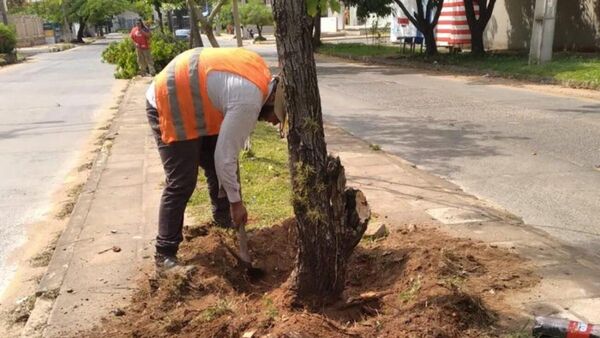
x: 236, y: 23
x: 4, y: 12
x: 542, y: 34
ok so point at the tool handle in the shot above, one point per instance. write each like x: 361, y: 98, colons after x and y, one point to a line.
x: 243, y: 240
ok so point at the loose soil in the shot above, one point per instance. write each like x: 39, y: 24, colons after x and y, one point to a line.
x: 416, y: 282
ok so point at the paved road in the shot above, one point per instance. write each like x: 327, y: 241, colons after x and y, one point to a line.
x: 48, y: 108
x: 531, y: 153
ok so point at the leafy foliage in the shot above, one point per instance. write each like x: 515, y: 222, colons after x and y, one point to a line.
x: 225, y: 16
x: 49, y: 10
x: 143, y: 8
x: 164, y: 48
x: 312, y: 6
x: 366, y: 7
x: 97, y: 11
x: 8, y: 39
x: 255, y: 12
x: 122, y: 54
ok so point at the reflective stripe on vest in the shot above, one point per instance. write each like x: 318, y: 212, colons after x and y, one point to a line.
x: 184, y: 109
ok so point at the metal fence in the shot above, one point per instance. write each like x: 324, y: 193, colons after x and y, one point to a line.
x: 30, y: 30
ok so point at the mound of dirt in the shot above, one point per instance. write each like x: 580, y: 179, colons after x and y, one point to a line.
x: 414, y: 283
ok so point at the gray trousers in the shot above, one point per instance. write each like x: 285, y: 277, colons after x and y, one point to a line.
x: 181, y: 161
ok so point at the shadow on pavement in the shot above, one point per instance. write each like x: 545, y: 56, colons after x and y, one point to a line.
x: 426, y: 141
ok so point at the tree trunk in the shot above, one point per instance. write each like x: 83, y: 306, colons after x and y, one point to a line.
x: 160, y: 16
x: 477, y: 23
x: 316, y: 38
x: 430, y: 43
x: 195, y: 37
x: 80, y: 31
x: 3, y: 12
x: 170, y: 21
x: 331, y: 218
x: 208, y: 28
x: 236, y: 22
x: 477, y: 47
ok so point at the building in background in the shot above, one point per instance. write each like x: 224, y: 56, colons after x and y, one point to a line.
x: 29, y: 29
x: 577, y: 24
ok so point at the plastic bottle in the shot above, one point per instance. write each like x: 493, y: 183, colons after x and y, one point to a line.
x: 546, y: 327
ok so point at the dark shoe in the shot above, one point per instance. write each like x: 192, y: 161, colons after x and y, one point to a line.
x: 224, y: 223
x: 164, y: 262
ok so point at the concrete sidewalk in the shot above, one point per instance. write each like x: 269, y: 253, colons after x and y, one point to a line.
x: 402, y: 194
x: 86, y: 279
x: 57, y: 47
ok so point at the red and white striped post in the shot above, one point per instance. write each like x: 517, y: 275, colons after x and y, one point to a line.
x: 452, y: 30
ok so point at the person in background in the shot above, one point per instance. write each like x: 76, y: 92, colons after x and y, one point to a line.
x: 140, y: 34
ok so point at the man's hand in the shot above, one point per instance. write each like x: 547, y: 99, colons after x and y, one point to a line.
x: 239, y: 215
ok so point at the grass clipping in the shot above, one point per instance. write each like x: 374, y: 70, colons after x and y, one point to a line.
x: 415, y: 282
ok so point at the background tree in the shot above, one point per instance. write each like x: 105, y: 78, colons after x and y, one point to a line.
x: 316, y: 8
x: 225, y: 17
x: 331, y: 218
x: 477, y: 24
x: 195, y: 37
x: 236, y: 22
x: 142, y: 8
x: 85, y: 12
x: 49, y: 10
x: 207, y: 22
x: 95, y: 12
x: 255, y: 12
x: 157, y: 6
x: 425, y: 18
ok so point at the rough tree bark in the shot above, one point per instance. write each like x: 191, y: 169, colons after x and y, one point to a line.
x: 331, y: 218
x: 236, y: 23
x: 477, y: 24
x: 195, y: 37
x: 3, y: 14
x: 317, y: 28
x: 81, y: 30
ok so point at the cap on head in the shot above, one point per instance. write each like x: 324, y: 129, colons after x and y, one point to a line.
x: 279, y: 105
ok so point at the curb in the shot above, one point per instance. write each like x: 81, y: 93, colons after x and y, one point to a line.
x: 457, y: 70
x: 46, y: 50
x: 568, y: 275
x: 49, y: 287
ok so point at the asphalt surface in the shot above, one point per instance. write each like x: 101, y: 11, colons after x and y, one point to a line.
x: 531, y: 153
x: 48, y: 108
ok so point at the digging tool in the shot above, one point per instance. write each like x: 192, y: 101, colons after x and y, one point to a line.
x: 243, y: 258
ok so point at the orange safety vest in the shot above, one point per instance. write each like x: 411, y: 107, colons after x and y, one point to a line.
x: 184, y: 110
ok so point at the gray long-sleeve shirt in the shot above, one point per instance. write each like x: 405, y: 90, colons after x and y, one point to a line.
x: 240, y: 101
